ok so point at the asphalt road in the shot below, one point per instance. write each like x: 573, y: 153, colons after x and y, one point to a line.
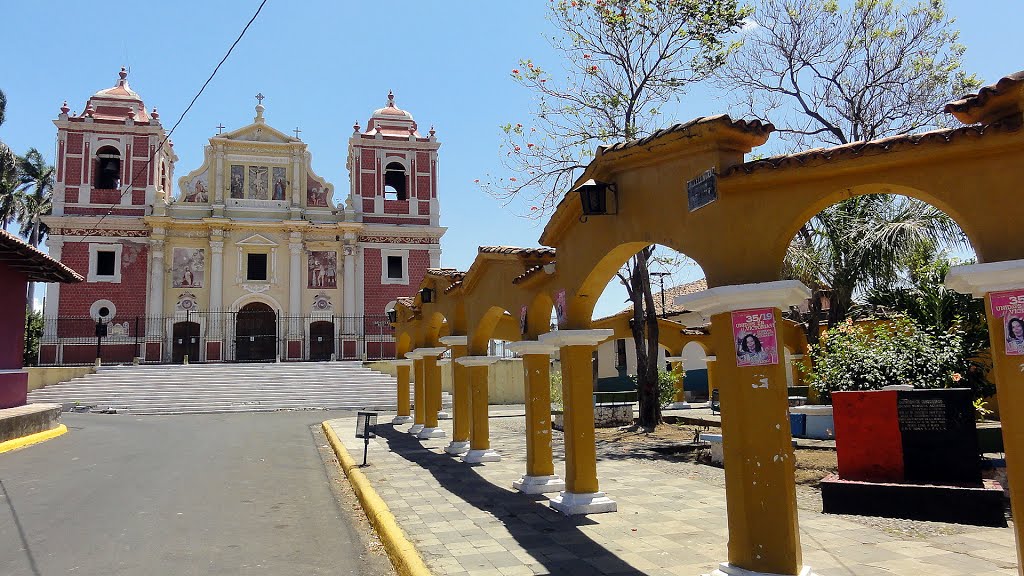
x: 192, y: 494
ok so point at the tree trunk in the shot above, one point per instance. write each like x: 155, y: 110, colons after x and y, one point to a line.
x: 644, y: 327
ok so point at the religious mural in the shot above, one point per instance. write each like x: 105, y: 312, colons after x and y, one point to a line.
x: 237, y: 181
x: 196, y: 190
x: 323, y: 269
x: 280, y: 184
x: 187, y: 267
x: 258, y: 183
x: 316, y: 192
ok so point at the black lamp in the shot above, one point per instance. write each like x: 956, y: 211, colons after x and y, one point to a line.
x: 426, y: 295
x: 392, y: 316
x: 594, y: 198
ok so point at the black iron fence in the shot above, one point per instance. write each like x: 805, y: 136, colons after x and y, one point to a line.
x: 234, y: 336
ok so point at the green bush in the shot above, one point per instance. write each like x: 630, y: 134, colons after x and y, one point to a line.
x: 556, y: 389
x: 667, y: 385
x: 868, y: 356
x: 33, y: 332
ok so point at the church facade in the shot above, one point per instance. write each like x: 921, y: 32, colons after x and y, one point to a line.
x: 249, y: 258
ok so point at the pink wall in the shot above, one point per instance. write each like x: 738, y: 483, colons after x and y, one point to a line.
x: 13, y: 285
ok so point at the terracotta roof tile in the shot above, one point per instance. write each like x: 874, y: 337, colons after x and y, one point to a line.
x: 751, y: 126
x: 986, y: 92
x: 530, y: 272
x: 450, y: 273
x: 528, y: 252
x: 453, y: 286
x: 860, y: 149
x: 670, y: 295
x: 39, y: 267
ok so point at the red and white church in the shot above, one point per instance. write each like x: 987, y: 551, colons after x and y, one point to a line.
x: 251, y: 258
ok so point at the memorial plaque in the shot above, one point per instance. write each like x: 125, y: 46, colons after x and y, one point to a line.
x: 702, y: 190
x: 940, y: 443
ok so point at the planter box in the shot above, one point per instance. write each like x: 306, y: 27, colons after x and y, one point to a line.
x: 605, y: 416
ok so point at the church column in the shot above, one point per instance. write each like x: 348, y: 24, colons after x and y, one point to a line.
x: 214, y: 330
x: 155, y: 322
x: 295, y: 328
x: 348, y: 310
x: 432, y: 393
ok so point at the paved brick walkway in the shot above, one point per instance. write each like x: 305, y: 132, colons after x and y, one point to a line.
x: 466, y: 519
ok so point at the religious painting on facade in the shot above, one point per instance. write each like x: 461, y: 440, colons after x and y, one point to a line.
x: 1009, y: 307
x: 280, y: 185
x: 755, y: 337
x: 237, y: 181
x: 259, y: 185
x: 196, y: 190
x: 323, y: 269
x: 187, y: 267
x: 316, y: 192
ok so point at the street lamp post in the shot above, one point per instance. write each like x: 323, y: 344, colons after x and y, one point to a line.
x: 661, y: 281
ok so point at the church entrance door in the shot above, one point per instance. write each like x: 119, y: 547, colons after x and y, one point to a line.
x: 186, y: 342
x: 321, y: 340
x: 255, y: 333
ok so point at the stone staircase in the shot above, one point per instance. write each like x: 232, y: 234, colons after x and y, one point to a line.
x: 210, y: 388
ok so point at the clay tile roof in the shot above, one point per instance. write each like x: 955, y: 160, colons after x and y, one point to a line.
x: 30, y: 261
x: 527, y: 252
x: 751, y: 126
x: 450, y: 273
x: 530, y: 272
x: 986, y: 92
x: 670, y: 295
x: 407, y: 301
x: 860, y: 149
x: 453, y: 286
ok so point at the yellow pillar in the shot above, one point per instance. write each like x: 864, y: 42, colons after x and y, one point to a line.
x: 479, y: 437
x: 679, y: 398
x: 402, y: 368
x: 431, y: 393
x: 540, y: 469
x: 982, y: 280
x: 759, y: 462
x: 461, y: 403
x: 418, y: 394
x: 581, y: 495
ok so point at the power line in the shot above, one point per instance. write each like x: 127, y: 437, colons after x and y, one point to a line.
x: 149, y: 161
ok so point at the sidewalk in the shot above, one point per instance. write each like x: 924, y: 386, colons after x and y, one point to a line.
x: 466, y: 519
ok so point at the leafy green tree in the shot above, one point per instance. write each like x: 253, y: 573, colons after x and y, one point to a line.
x: 623, y: 60
x: 34, y: 199
x: 868, y: 356
x: 33, y: 333
x: 8, y: 175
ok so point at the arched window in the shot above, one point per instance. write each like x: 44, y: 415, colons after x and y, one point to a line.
x: 108, y: 168
x: 394, y: 182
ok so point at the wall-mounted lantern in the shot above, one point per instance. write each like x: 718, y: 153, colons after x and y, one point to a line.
x: 426, y: 295
x: 598, y: 198
x: 392, y: 316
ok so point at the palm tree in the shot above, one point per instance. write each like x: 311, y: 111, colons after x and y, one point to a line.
x: 36, y: 178
x: 8, y: 175
x: 34, y: 200
x: 860, y: 243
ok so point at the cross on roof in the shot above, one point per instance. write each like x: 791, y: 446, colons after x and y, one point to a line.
x: 260, y: 97
x: 220, y: 128
x: 296, y: 132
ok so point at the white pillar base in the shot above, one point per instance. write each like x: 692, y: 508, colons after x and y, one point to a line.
x: 457, y: 448
x: 477, y: 456
x: 442, y: 415
x: 401, y: 420
x: 428, y: 433
x: 572, y: 504
x: 539, y: 484
x: 678, y: 406
x: 726, y: 569
x: 415, y: 429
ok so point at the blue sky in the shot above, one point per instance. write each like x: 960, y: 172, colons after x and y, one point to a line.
x: 323, y: 65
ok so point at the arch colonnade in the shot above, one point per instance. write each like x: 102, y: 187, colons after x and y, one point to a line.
x: 738, y: 235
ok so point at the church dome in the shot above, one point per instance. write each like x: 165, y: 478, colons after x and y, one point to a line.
x: 391, y: 112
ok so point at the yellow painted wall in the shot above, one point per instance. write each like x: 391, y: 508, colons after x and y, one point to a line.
x: 505, y: 382
x: 43, y: 376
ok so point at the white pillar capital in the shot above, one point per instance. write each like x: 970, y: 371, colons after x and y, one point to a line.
x: 401, y: 362
x: 779, y: 294
x: 477, y: 360
x: 525, y: 347
x: 454, y: 340
x: 420, y: 353
x: 561, y: 338
x: 674, y: 359
x: 980, y: 279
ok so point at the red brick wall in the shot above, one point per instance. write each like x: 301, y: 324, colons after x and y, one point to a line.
x: 377, y: 296
x: 74, y: 174
x: 389, y: 220
x: 129, y: 296
x: 75, y: 140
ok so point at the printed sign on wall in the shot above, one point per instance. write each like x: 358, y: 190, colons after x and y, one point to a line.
x: 1009, y: 306
x: 755, y: 337
x: 560, y: 307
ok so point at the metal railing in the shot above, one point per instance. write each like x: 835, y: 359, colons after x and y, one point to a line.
x: 205, y: 336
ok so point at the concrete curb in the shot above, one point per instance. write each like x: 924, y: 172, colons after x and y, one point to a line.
x: 403, y: 555
x: 32, y: 439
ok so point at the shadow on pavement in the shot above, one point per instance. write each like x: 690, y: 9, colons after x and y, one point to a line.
x: 553, y: 540
x: 21, y: 531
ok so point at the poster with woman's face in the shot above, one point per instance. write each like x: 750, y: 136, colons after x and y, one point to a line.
x: 755, y: 337
x: 1009, y: 307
